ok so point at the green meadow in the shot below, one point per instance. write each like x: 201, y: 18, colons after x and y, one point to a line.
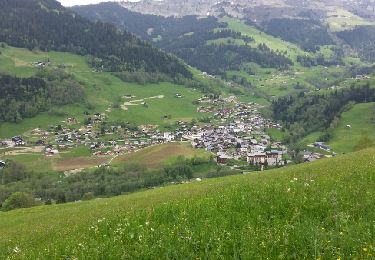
x: 322, y: 210
x: 103, y: 90
x: 341, y: 19
x: 260, y: 37
x: 160, y: 155
x: 361, y: 118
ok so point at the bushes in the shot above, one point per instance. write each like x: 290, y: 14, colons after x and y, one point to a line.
x: 102, y: 181
x: 18, y: 200
x: 307, y: 33
x: 12, y: 173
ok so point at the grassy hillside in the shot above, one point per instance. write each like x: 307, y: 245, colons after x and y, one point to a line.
x: 275, y: 83
x: 260, y: 37
x: 323, y: 210
x: 341, y: 19
x: 103, y: 90
x: 362, y: 119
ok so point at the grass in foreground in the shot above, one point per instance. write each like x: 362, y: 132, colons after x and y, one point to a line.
x: 323, y: 210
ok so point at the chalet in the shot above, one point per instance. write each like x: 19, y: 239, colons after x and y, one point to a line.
x: 222, y: 158
x: 18, y: 141
x: 49, y: 151
x: 39, y: 64
x: 39, y: 132
x: 322, y: 145
x: 311, y: 157
x: 168, y: 137
x: 256, y: 158
x: 2, y: 164
x: 273, y: 158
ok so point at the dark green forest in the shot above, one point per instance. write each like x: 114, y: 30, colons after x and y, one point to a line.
x: 320, y: 60
x: 26, y: 97
x: 148, y: 27
x: 46, y: 25
x: 101, y: 182
x: 362, y: 39
x: 217, y: 59
x: 305, y: 113
x: 187, y: 38
x: 308, y: 34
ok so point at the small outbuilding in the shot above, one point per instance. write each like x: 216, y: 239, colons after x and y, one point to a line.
x: 2, y: 164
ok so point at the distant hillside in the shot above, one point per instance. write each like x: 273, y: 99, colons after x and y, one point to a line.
x: 362, y: 39
x: 205, y: 43
x: 46, y: 25
x: 148, y: 27
x: 322, y: 210
x: 309, y: 34
x: 259, y: 10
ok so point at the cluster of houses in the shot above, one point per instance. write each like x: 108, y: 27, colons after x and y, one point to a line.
x: 237, y: 132
x: 13, y: 142
x: 234, y: 131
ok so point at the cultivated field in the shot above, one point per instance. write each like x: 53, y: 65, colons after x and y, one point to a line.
x: 159, y: 155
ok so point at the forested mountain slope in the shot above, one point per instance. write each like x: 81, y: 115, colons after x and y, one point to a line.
x: 205, y: 43
x: 47, y: 25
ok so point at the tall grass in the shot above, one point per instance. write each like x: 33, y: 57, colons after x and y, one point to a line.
x: 323, y: 210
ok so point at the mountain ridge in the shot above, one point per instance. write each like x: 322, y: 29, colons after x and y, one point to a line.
x: 242, y: 8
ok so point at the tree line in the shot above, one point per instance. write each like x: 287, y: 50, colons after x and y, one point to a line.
x: 362, y: 39
x: 309, y: 34
x: 216, y: 59
x: 101, y: 182
x: 305, y: 113
x: 26, y: 97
